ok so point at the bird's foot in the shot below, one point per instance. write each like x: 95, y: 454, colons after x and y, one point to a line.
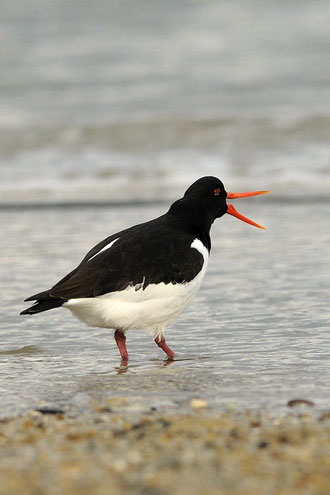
x: 162, y: 344
x: 168, y: 362
x: 121, y: 343
x: 123, y: 367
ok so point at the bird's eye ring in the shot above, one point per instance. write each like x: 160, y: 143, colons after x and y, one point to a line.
x: 217, y: 191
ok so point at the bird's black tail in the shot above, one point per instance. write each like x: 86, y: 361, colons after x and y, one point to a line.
x: 44, y: 304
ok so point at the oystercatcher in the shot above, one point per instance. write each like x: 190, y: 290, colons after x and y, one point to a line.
x: 146, y: 275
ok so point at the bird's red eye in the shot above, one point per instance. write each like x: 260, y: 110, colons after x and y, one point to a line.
x: 217, y: 191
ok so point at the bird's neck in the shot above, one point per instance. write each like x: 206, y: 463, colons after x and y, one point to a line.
x: 193, y: 219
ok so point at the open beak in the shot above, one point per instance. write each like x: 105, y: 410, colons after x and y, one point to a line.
x: 232, y: 211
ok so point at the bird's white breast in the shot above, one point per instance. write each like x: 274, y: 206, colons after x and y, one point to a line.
x: 152, y: 308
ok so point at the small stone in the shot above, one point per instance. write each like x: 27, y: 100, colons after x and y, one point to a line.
x: 104, y: 409
x: 299, y: 402
x: 116, y: 401
x: 50, y: 411
x: 198, y: 404
x: 325, y: 416
x: 34, y: 413
x: 120, y: 464
x: 255, y: 423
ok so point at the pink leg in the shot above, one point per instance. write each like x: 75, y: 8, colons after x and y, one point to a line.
x: 121, y: 343
x: 162, y: 344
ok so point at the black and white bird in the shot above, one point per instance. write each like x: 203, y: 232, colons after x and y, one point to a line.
x: 146, y: 275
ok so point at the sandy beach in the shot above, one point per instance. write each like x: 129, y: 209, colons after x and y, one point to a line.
x: 113, y: 451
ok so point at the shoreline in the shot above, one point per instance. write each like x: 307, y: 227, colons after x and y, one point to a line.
x: 121, y: 452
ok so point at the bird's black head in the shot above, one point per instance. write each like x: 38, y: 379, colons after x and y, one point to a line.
x: 205, y: 200
x: 209, y: 194
x: 202, y: 203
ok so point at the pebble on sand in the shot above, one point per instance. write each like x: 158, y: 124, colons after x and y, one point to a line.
x: 198, y: 404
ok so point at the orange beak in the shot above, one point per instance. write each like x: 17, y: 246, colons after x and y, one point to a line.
x: 232, y: 211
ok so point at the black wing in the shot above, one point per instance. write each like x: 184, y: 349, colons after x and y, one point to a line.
x: 141, y: 255
x: 149, y: 253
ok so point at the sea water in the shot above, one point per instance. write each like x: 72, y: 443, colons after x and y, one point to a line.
x: 121, y: 101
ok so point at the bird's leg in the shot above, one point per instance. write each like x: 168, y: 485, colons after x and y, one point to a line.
x: 121, y: 343
x: 160, y: 341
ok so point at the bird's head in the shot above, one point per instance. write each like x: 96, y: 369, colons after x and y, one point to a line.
x: 210, y: 193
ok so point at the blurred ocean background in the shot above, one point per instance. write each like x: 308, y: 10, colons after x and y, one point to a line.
x: 133, y: 100
x: 108, y: 111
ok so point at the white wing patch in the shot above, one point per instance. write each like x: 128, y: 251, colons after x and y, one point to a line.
x: 108, y: 246
x: 197, y: 244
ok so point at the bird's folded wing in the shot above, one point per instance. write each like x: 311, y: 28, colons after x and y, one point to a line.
x: 134, y: 261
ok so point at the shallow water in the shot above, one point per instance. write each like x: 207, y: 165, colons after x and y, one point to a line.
x: 256, y: 336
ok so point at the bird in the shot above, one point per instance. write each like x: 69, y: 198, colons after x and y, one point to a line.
x: 144, y: 276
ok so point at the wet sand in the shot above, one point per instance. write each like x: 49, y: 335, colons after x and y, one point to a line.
x: 115, y: 451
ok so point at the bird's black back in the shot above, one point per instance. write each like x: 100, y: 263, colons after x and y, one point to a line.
x: 150, y: 253
x: 158, y: 251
